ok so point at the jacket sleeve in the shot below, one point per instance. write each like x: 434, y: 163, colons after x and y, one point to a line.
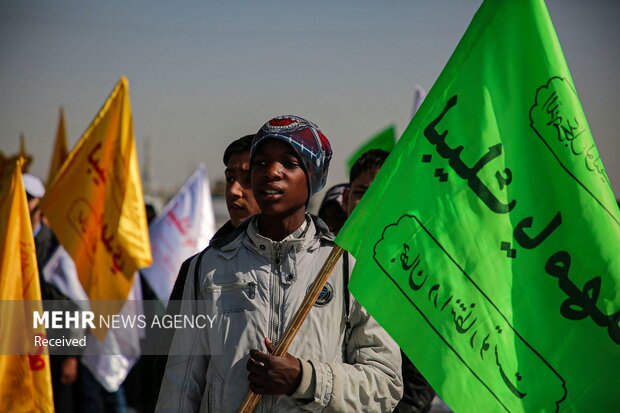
x: 183, y: 383
x: 370, y: 380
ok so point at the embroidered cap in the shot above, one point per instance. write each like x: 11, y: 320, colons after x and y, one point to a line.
x: 312, y: 147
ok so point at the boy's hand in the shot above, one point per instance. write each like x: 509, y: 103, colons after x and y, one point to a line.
x: 273, y: 375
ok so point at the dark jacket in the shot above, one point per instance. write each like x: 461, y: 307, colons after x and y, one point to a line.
x: 418, y: 394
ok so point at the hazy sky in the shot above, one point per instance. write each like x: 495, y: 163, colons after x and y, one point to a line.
x: 202, y: 73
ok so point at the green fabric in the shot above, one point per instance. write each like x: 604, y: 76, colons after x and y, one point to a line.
x: 383, y: 140
x: 488, y: 245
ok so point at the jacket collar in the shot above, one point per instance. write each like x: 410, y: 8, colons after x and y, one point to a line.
x: 286, y: 251
x: 232, y: 237
x: 300, y: 238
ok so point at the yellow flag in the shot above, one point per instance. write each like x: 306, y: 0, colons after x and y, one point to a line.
x: 60, y: 152
x: 26, y: 384
x: 95, y: 204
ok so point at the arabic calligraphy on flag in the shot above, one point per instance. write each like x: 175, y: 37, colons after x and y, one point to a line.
x: 492, y: 231
x: 95, y: 205
x: 24, y: 368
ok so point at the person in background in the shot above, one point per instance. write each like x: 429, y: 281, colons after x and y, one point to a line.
x: 418, y: 394
x: 140, y: 384
x: 241, y: 205
x: 267, y: 265
x: 151, y: 214
x: 45, y: 241
x: 240, y: 200
x: 332, y: 208
x: 64, y: 369
x: 239, y: 197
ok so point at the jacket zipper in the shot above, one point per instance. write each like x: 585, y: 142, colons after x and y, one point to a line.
x: 275, y: 321
x: 275, y: 314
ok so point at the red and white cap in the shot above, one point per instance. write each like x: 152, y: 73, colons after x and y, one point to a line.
x: 310, y: 144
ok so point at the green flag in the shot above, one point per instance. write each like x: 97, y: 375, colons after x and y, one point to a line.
x: 383, y: 140
x: 488, y: 245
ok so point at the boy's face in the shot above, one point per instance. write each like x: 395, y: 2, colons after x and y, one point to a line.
x: 278, y: 179
x: 239, y: 197
x: 358, y: 188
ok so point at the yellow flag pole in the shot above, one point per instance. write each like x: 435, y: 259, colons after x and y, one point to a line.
x: 251, y: 399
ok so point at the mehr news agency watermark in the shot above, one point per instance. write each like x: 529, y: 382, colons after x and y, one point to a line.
x: 68, y: 328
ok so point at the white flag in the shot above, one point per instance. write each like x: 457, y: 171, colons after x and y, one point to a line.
x: 60, y: 271
x: 111, y: 360
x: 183, y: 228
x: 420, y: 94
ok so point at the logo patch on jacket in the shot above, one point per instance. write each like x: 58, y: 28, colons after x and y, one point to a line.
x: 326, y: 295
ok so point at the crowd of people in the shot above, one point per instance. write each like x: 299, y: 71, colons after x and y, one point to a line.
x: 341, y: 361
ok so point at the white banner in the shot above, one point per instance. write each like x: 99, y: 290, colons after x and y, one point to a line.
x: 60, y: 271
x: 420, y: 94
x: 111, y: 360
x: 183, y: 228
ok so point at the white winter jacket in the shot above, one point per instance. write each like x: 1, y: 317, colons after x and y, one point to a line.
x: 255, y: 285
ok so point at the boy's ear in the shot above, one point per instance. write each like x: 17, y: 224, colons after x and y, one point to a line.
x: 345, y: 199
